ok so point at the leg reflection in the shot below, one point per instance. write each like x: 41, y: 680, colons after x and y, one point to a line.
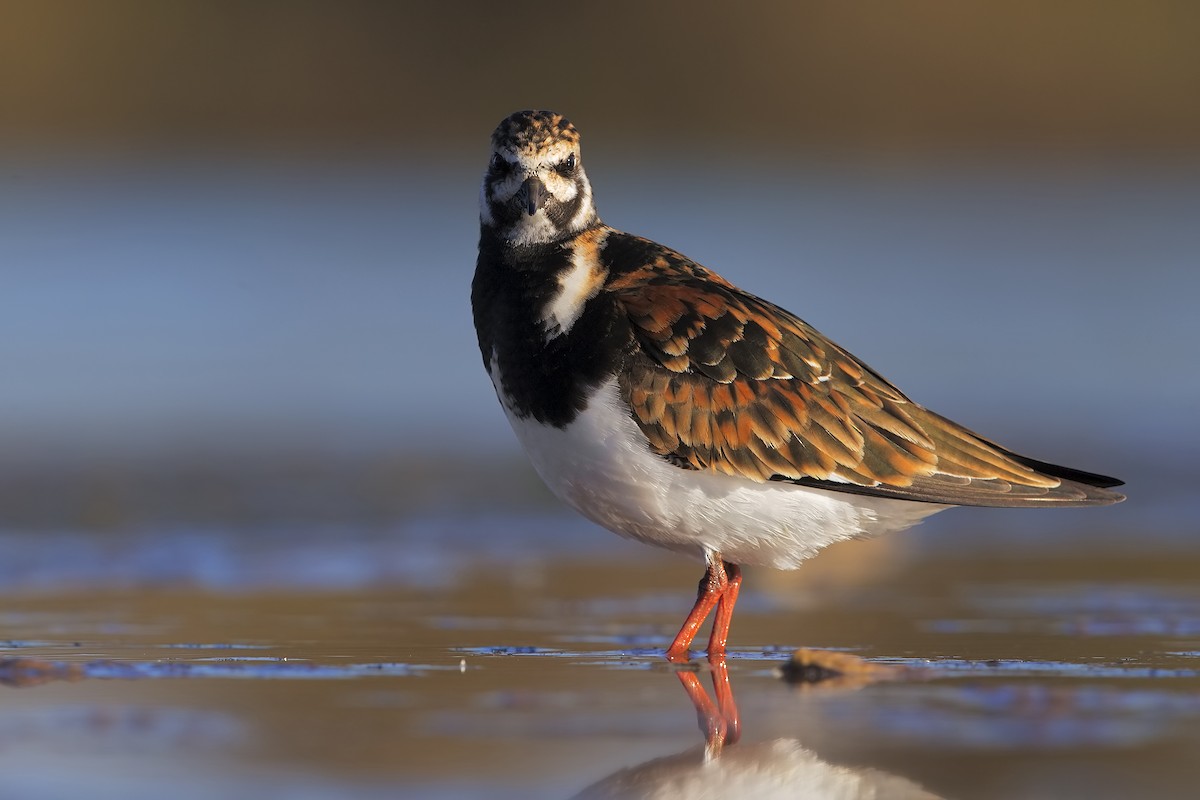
x: 718, y: 721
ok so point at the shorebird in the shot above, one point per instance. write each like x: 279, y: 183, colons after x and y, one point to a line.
x: 669, y: 406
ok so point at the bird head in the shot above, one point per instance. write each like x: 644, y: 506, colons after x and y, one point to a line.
x: 535, y: 190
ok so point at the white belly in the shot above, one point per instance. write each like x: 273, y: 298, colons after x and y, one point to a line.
x: 601, y: 465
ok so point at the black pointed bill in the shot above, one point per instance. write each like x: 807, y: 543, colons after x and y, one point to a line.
x: 533, y: 191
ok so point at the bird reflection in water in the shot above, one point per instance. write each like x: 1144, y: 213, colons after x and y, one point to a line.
x: 776, y: 768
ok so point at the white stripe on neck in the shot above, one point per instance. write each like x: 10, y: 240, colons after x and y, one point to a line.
x: 578, y: 284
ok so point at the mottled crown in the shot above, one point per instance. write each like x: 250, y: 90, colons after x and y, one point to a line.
x: 530, y: 131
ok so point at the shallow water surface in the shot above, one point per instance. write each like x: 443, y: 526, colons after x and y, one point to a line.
x: 1072, y: 672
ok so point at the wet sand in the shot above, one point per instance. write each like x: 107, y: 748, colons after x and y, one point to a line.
x: 1060, y: 671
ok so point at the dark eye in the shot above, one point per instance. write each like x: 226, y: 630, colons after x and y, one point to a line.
x: 498, y: 163
x: 567, y: 165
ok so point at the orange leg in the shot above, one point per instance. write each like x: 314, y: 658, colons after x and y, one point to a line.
x: 720, y: 628
x: 719, y: 589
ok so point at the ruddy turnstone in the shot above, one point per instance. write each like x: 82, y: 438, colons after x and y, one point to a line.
x: 669, y: 406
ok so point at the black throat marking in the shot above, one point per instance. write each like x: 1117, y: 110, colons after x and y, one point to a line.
x: 549, y: 378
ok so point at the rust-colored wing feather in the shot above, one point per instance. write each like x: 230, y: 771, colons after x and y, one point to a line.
x: 727, y: 382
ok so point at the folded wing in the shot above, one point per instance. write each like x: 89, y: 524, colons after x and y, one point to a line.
x: 727, y: 382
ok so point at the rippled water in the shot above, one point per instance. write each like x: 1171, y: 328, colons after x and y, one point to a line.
x: 540, y: 672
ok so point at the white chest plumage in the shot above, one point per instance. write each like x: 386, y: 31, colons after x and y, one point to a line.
x: 601, y: 466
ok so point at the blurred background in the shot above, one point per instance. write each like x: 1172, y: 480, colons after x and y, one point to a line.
x: 236, y: 239
x: 245, y: 430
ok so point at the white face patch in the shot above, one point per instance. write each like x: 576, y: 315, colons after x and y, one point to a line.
x: 587, y: 211
x: 485, y: 210
x: 560, y: 188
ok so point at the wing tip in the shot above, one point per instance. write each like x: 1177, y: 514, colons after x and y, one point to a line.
x: 1093, y: 494
x: 1093, y: 488
x: 1002, y: 494
x: 1070, y: 474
